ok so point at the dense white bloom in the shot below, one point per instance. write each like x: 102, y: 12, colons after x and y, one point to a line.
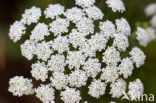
x: 20, y: 86
x: 59, y: 26
x: 70, y: 95
x: 94, y: 13
x: 126, y: 67
x: 137, y: 56
x: 97, y: 88
x: 39, y: 32
x: 87, y: 49
x: 31, y: 15
x: 150, y: 9
x: 45, y: 93
x: 151, y: 33
x: 53, y: 10
x: 142, y: 36
x: 61, y: 44
x: 74, y: 14
x: 28, y: 49
x: 77, y: 78
x: 116, y: 5
x: 92, y: 67
x: 59, y: 80
x: 85, y: 26
x: 121, y: 42
x: 75, y: 59
x: 153, y: 21
x: 17, y: 29
x: 39, y: 71
x: 85, y: 3
x: 136, y: 89
x: 57, y: 63
x: 118, y: 88
x: 75, y: 52
x: 43, y: 50
x: 98, y: 42
x: 107, y: 28
x: 77, y: 38
x: 123, y: 26
x: 109, y: 74
x: 111, y: 56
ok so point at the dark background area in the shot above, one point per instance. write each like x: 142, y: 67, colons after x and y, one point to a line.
x: 12, y: 63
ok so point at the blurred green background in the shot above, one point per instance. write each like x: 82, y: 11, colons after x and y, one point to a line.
x: 12, y: 63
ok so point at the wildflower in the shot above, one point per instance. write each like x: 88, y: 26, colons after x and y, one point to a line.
x: 31, y: 15
x: 137, y: 56
x: 118, y: 88
x: 45, y: 93
x: 59, y: 80
x: 17, y: 29
x: 97, y: 88
x: 135, y: 89
x: 116, y: 5
x: 39, y: 71
x: 85, y: 3
x: 70, y: 95
x: 53, y: 10
x: 20, y: 86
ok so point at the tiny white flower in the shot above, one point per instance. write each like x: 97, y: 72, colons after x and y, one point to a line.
x: 53, y: 10
x: 97, y: 88
x: 109, y: 74
x: 39, y: 32
x: 61, y: 44
x: 153, y: 21
x: 151, y: 33
x: 77, y: 38
x: 20, y: 86
x: 98, y: 42
x: 17, y: 29
x: 111, y: 56
x: 142, y: 36
x: 75, y: 59
x: 92, y: 67
x: 121, y: 42
x: 136, y: 89
x: 116, y: 5
x: 150, y: 9
x: 85, y: 26
x: 77, y: 78
x: 94, y: 13
x: 28, y: 49
x: 59, y: 26
x: 70, y: 95
x: 126, y: 67
x: 74, y: 14
x: 138, y: 57
x: 123, y: 26
x: 118, y: 88
x: 39, y: 71
x: 31, y: 15
x: 43, y: 50
x: 59, y: 80
x: 107, y: 28
x: 87, y: 49
x: 85, y: 3
x: 57, y: 63
x: 45, y: 93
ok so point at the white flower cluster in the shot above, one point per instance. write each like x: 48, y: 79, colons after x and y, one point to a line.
x: 150, y: 10
x: 20, y: 86
x: 69, y: 50
x: 116, y: 5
